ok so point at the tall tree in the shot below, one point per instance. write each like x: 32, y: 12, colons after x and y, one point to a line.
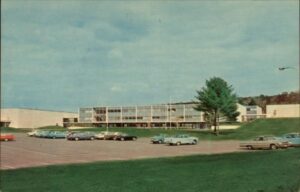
x: 217, y: 99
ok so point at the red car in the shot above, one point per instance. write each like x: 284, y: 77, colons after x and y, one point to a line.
x: 7, y: 137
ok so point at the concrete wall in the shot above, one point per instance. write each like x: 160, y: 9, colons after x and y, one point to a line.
x: 30, y: 118
x: 278, y: 111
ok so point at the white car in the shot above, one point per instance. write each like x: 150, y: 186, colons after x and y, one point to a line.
x: 32, y: 133
x: 106, y: 135
x: 265, y: 142
x: 181, y: 139
x: 101, y: 135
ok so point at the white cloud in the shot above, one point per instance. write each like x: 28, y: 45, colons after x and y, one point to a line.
x: 116, y: 88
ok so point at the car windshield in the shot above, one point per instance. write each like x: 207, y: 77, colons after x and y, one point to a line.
x: 271, y: 138
x: 77, y: 133
x: 259, y: 139
x: 291, y: 135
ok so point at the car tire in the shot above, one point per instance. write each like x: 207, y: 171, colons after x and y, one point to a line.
x: 159, y: 142
x: 272, y: 147
x: 178, y: 143
x: 5, y: 139
x: 194, y: 142
x: 115, y: 138
x: 122, y: 139
x: 53, y: 137
x: 76, y: 138
x: 92, y: 138
x: 249, y: 147
x: 134, y: 138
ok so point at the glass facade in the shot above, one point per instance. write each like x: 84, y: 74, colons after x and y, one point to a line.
x: 174, y: 113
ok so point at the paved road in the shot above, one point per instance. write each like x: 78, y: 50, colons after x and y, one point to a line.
x: 30, y: 152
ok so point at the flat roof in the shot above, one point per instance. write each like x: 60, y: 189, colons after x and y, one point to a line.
x: 47, y: 110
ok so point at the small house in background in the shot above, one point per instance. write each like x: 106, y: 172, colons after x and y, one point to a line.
x: 249, y: 113
x: 283, y: 111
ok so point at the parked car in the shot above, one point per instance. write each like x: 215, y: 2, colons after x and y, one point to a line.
x: 111, y: 135
x: 33, y: 133
x: 125, y: 137
x: 159, y: 138
x: 265, y: 142
x: 41, y: 134
x: 81, y: 136
x: 181, y: 139
x: 7, y: 137
x: 100, y: 135
x: 56, y: 134
x: 293, y: 138
x: 105, y: 135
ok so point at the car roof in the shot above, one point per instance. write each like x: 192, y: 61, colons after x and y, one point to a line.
x: 295, y: 133
x: 266, y: 136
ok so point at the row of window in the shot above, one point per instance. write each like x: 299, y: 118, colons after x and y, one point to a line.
x: 141, y: 118
x: 162, y: 109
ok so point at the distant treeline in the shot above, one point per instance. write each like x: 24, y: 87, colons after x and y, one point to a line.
x: 263, y: 100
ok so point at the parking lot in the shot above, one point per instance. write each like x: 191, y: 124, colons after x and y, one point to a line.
x: 29, y: 151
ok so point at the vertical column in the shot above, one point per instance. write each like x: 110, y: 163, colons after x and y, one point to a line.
x: 136, y: 113
x: 79, y: 120
x: 201, y: 117
x: 92, y: 109
x: 167, y: 113
x: 170, y: 113
x: 106, y: 115
x: 121, y: 114
x: 184, y: 113
x: 151, y: 113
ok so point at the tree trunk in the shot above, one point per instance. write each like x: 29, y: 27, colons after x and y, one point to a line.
x: 218, y: 119
x: 215, y: 123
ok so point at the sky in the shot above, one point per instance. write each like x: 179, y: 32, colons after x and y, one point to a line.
x: 62, y: 55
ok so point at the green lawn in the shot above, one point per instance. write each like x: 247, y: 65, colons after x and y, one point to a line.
x: 24, y: 130
x: 53, y: 127
x: 246, y: 131
x: 265, y: 127
x: 12, y: 130
x: 264, y: 171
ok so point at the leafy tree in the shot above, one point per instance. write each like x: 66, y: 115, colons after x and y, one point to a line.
x: 216, y: 99
x: 252, y: 102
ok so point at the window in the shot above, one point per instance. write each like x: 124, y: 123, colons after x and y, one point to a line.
x: 100, y: 111
x: 129, y: 118
x: 114, y: 110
